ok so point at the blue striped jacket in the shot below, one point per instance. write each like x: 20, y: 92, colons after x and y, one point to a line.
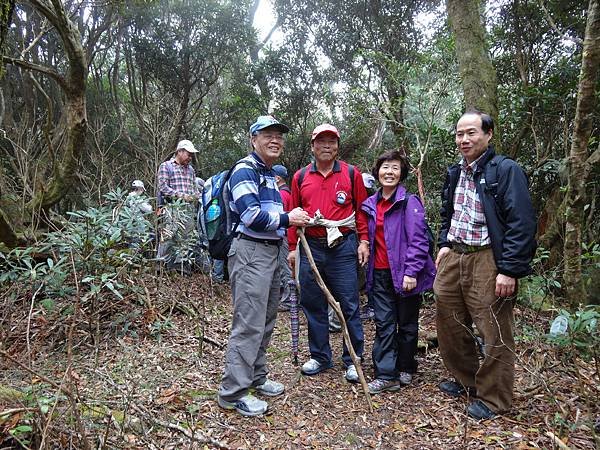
x: 256, y: 200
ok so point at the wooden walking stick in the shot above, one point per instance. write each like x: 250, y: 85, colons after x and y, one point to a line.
x: 336, y: 307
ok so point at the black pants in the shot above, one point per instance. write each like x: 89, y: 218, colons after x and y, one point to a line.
x: 397, y: 328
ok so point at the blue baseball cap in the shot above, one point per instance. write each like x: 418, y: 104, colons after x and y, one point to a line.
x: 263, y: 122
x: 280, y: 171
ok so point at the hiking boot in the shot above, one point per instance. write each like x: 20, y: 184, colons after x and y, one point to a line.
x: 270, y: 388
x: 405, y: 378
x: 454, y: 389
x: 313, y: 367
x: 479, y: 410
x: 378, y: 386
x: 247, y: 405
x: 351, y: 374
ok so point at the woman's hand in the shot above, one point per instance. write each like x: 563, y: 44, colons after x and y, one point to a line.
x: 409, y: 283
x: 363, y: 253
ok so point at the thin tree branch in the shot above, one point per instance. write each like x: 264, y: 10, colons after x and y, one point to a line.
x: 38, y: 68
x: 550, y: 20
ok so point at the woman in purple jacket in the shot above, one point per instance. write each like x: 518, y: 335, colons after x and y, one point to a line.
x: 399, y: 270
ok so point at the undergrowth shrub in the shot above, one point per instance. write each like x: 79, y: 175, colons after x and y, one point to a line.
x: 92, y: 249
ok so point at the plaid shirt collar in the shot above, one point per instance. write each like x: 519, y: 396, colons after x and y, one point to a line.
x: 472, y: 167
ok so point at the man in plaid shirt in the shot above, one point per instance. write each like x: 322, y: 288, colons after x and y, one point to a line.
x: 486, y: 244
x: 177, y: 181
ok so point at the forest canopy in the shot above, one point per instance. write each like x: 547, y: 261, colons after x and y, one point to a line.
x: 96, y: 94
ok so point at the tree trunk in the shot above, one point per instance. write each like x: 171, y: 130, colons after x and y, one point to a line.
x: 477, y: 73
x: 75, y: 106
x: 73, y: 85
x: 577, y: 179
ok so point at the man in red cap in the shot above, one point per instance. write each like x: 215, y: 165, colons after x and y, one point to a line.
x: 336, y: 189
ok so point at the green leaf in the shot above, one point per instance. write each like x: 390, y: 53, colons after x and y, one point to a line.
x: 21, y: 429
x: 110, y: 286
x: 48, y: 304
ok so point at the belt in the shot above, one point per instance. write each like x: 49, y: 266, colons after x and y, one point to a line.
x: 276, y: 242
x: 323, y: 240
x: 464, y: 248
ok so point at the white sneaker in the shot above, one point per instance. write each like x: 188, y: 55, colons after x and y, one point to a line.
x: 351, y: 374
x: 313, y: 367
x: 248, y: 405
x: 270, y: 388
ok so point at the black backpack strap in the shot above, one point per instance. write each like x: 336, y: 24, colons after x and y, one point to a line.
x: 301, y: 176
x: 351, y: 175
x: 491, y: 173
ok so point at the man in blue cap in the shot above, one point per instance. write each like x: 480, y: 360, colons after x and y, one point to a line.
x: 254, y: 272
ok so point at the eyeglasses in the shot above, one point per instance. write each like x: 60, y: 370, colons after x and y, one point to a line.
x: 273, y: 137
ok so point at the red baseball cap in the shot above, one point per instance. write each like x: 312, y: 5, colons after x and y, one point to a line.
x: 324, y: 128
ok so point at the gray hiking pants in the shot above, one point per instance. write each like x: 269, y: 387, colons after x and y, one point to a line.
x: 254, y: 279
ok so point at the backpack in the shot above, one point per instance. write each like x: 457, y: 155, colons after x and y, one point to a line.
x: 428, y: 230
x: 217, y: 218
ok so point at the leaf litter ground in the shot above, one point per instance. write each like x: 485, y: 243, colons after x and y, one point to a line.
x: 151, y: 382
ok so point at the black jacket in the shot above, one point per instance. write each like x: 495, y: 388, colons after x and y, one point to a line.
x: 508, y: 212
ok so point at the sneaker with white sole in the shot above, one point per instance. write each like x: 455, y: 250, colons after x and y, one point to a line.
x: 313, y: 367
x: 378, y: 385
x: 270, y: 388
x: 351, y: 374
x: 405, y: 378
x: 248, y: 405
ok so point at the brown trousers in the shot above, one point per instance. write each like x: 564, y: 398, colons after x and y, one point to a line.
x: 464, y: 287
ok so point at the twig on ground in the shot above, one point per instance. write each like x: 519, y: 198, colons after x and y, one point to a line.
x: 29, y: 320
x: 194, y: 436
x: 557, y: 441
x: 219, y: 345
x: 13, y: 411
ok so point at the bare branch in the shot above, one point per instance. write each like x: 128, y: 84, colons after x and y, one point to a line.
x: 38, y: 68
x: 35, y: 40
